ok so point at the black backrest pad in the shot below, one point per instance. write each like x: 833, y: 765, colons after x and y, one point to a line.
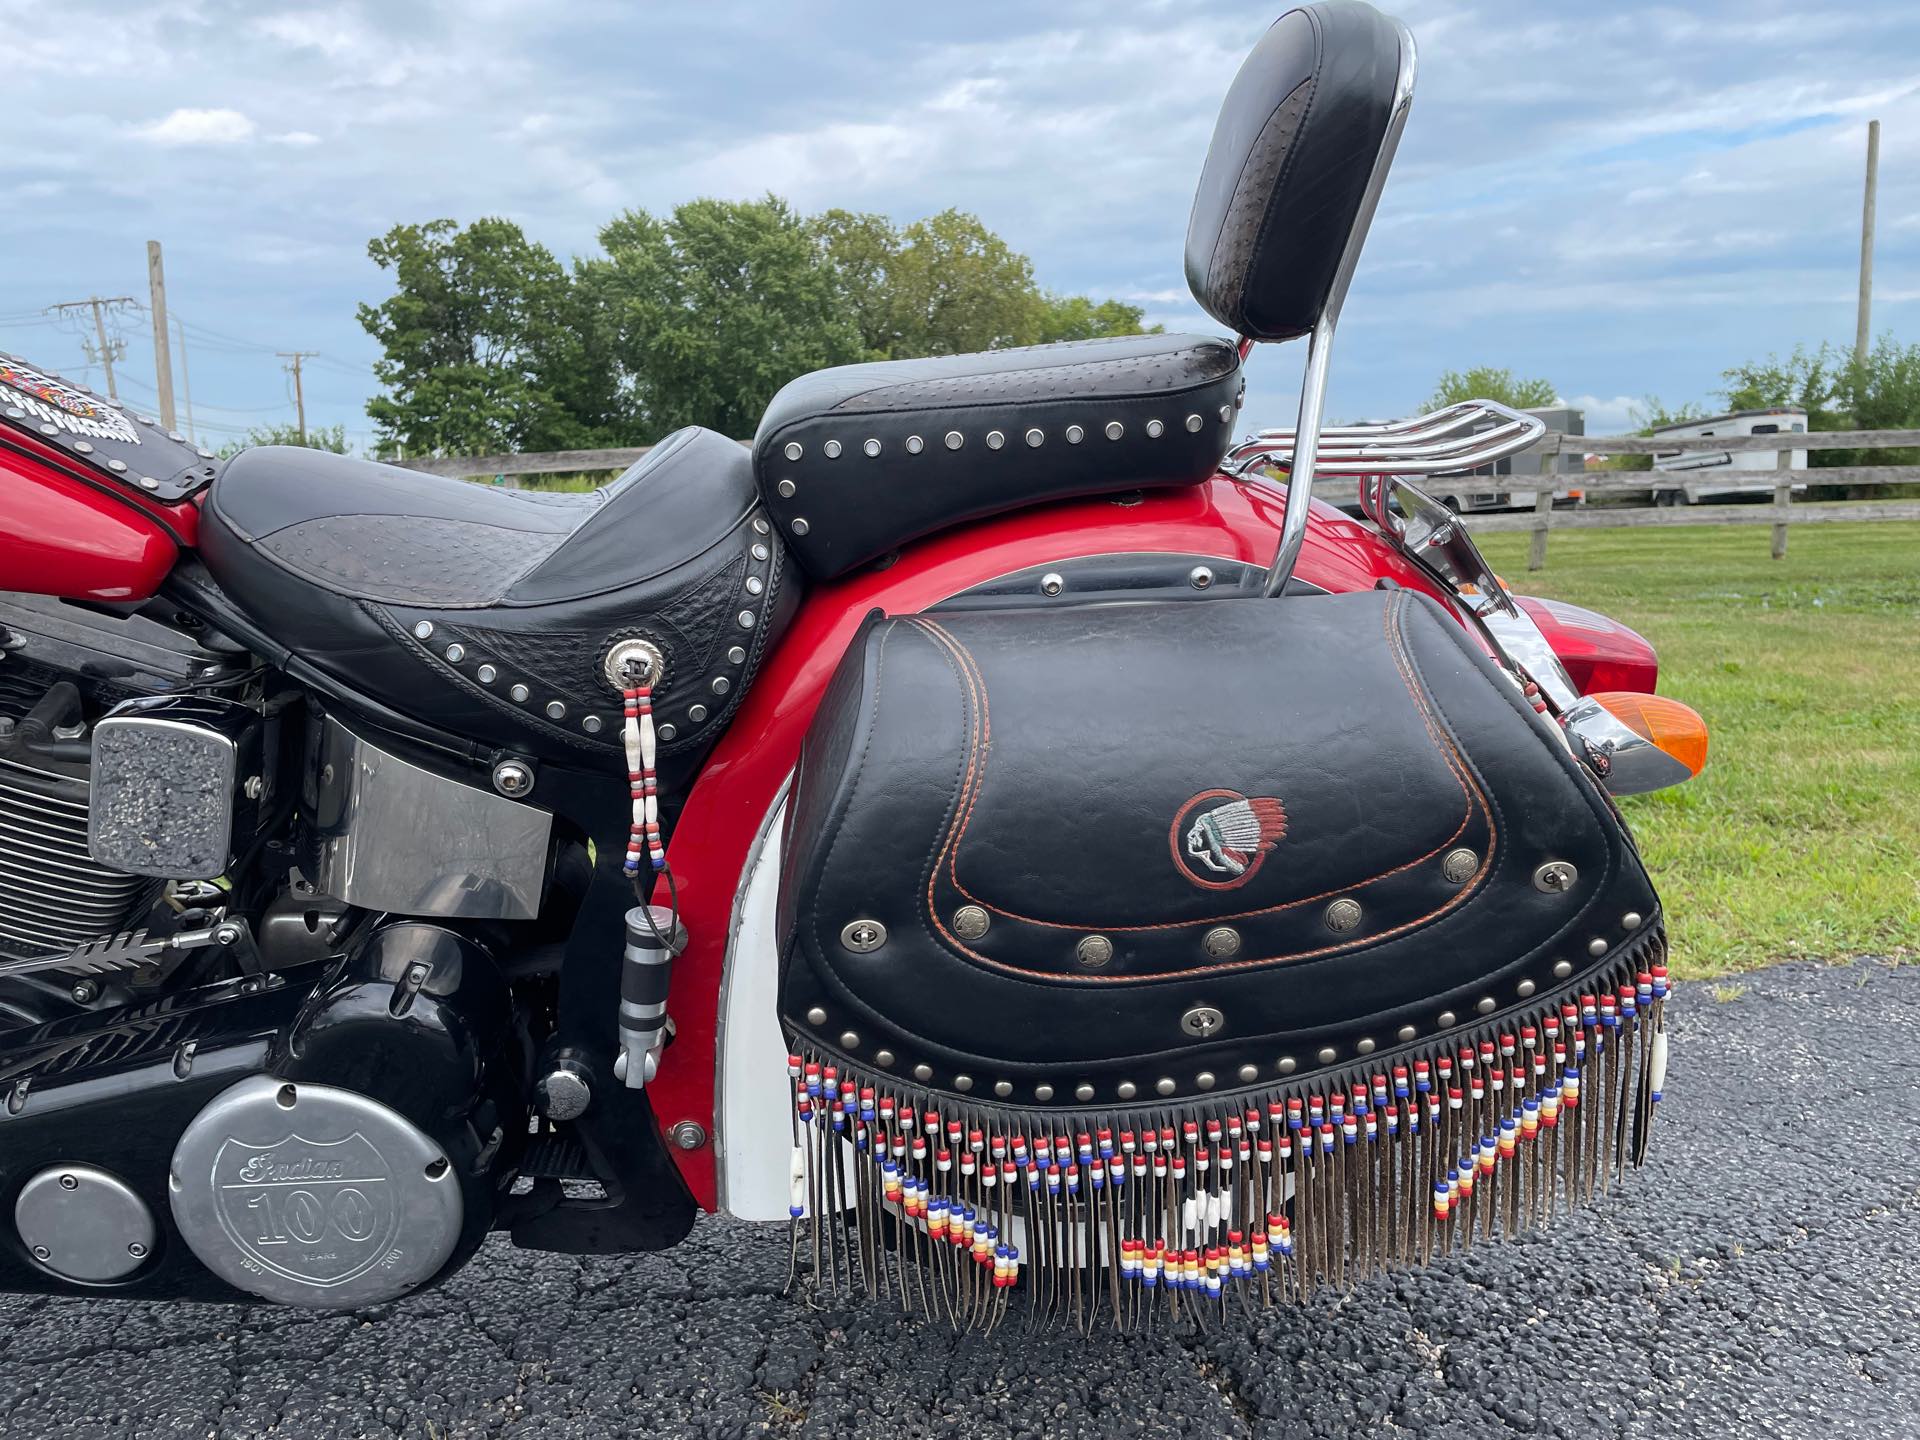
x: 857, y: 460
x: 1292, y: 153
x: 1344, y: 783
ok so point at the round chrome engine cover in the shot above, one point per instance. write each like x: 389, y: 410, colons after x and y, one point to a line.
x: 311, y: 1195
x: 84, y: 1223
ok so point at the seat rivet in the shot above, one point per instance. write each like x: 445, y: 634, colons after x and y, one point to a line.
x: 963, y: 1082
x: 800, y: 526
x: 423, y: 630
x: 1194, y: 422
x: 1226, y: 414
x: 590, y: 724
x: 1115, y: 430
x: 1164, y: 1085
x: 1448, y: 1019
x: 883, y: 1058
x: 955, y: 439
x: 486, y: 674
x: 1288, y: 1065
x: 745, y: 619
x: 1043, y: 1092
x: 786, y: 489
x: 1221, y: 942
x: 1200, y: 577
x: 1631, y: 920
x: 1204, y: 1080
x: 1596, y: 946
x: 1075, y: 434
x: 923, y: 1073
x: 556, y: 710
x: 1051, y: 584
x: 1327, y: 1055
x: 1083, y: 1092
x: 1249, y: 1073
x: 456, y: 653
x: 668, y: 731
x: 1364, y: 1047
x: 736, y: 655
x: 915, y: 444
x: 1003, y: 1088
x: 519, y: 693
x: 1126, y: 1090
x: 1526, y: 988
x: 696, y: 713
x: 1486, y: 1005
x: 995, y: 439
x: 831, y: 449
x: 849, y: 1040
x: 1407, y: 1032
x: 755, y: 584
x: 1036, y: 437
x: 1563, y: 969
x: 793, y: 450
x: 721, y: 685
x: 1155, y: 429
x: 760, y: 551
x: 871, y: 449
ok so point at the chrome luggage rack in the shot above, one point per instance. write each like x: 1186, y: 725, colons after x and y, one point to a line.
x: 1447, y: 441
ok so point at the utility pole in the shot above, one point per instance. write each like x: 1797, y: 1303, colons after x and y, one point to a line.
x: 162, y: 351
x: 98, y: 304
x: 186, y: 379
x: 299, y: 395
x: 1862, y: 334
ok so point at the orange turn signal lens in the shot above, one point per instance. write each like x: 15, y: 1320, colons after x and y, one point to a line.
x: 1674, y: 728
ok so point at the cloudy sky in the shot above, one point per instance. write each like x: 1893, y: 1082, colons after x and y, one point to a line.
x: 1622, y: 198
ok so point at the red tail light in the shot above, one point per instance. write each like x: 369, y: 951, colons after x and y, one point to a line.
x: 1600, y: 654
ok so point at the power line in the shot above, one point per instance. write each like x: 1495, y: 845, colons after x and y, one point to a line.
x: 107, y: 350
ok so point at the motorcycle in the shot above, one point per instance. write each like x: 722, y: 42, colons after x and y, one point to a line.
x: 997, y: 826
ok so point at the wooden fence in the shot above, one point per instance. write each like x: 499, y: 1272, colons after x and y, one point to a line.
x: 1544, y: 519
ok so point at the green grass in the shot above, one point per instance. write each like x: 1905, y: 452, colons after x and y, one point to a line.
x: 1800, y: 837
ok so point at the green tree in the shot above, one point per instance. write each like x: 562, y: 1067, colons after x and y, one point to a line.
x: 1488, y: 382
x: 1648, y: 416
x: 1076, y: 317
x: 484, y: 345
x: 714, y: 308
x: 1880, y: 391
x: 318, y: 437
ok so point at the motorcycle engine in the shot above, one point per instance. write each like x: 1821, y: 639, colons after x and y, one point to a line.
x: 63, y: 667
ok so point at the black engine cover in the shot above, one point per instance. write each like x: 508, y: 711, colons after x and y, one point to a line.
x: 1154, y: 849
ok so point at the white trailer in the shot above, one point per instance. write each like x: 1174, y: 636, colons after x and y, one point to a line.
x: 1711, y: 474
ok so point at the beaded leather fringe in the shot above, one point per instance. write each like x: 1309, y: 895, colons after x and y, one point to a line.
x: 1195, y: 1214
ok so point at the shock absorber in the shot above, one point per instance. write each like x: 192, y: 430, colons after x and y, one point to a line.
x: 654, y: 936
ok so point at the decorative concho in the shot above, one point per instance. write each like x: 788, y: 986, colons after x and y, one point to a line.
x: 54, y: 402
x: 1221, y: 838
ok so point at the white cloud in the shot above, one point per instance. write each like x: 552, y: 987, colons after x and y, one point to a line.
x: 296, y: 138
x: 198, y: 127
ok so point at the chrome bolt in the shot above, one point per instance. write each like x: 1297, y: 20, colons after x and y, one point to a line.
x: 137, y: 1250
x: 1051, y: 584
x: 1200, y: 577
x: 688, y: 1135
x: 84, y: 992
x: 564, y: 1094
x: 69, y: 1182
x: 513, y: 778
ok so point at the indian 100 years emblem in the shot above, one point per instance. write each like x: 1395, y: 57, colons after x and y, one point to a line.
x: 1221, y: 838
x: 47, y: 401
x: 320, y: 1214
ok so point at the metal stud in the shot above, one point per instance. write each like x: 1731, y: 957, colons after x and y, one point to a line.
x: 696, y: 713
x: 915, y: 444
x: 760, y: 526
x: 423, y: 630
x: 668, y: 731
x: 1563, y: 969
x: 1164, y: 1085
x: 800, y: 526
x: 849, y: 1040
x: 1448, y: 1019
x: 760, y: 551
x: 755, y: 584
x: 870, y: 448
x: 1155, y: 429
x: 955, y: 439
x: 519, y: 693
x: 486, y: 674
x: 963, y: 1082
x: 1526, y: 988
x: 785, y: 489
x: 1486, y: 1005
x: 1093, y: 951
x: 1596, y: 946
x: 1221, y: 942
x: 1364, y: 1047
x: 591, y: 724
x: 883, y: 1058
x: 736, y: 655
x: 1327, y: 1054
x: 816, y: 1016
x: 1083, y: 1092
x: 1631, y: 920
x: 1036, y: 437
x: 556, y: 710
x: 1459, y: 865
x: 1043, y: 1093
x: 1226, y: 414
x: 119, y: 467
x: 1201, y: 577
x: 923, y: 1073
x: 1204, y: 1080
x: 995, y: 439
x: 721, y: 685
x: 1115, y: 430
x: 863, y: 937
x: 1052, y: 584
x: 456, y: 653
x: 83, y: 447
x: 147, y: 482
x: 1194, y: 422
x: 744, y: 619
x: 1407, y: 1032
x: 1003, y: 1088
x: 1288, y: 1064
x: 1075, y: 434
x: 1249, y: 1073
x: 831, y: 449
x: 793, y: 450
x: 970, y: 922
x: 1126, y: 1089
x: 1343, y: 915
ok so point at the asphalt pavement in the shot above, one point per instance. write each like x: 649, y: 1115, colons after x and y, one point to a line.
x: 1761, y: 1276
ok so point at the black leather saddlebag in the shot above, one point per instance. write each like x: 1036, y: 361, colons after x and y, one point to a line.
x: 858, y: 460
x: 1087, y: 856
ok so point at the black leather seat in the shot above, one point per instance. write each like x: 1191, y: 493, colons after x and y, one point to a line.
x: 506, y: 601
x: 857, y: 460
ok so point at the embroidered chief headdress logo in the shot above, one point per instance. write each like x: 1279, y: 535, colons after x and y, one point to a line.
x: 1221, y: 838
x: 26, y: 394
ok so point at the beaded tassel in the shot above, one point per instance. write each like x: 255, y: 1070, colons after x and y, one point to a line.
x: 1189, y: 1215
x: 644, y: 838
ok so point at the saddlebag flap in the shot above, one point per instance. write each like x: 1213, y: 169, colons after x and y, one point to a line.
x: 1073, y: 857
x: 857, y: 460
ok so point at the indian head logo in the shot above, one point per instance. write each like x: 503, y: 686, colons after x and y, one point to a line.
x: 1221, y: 838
